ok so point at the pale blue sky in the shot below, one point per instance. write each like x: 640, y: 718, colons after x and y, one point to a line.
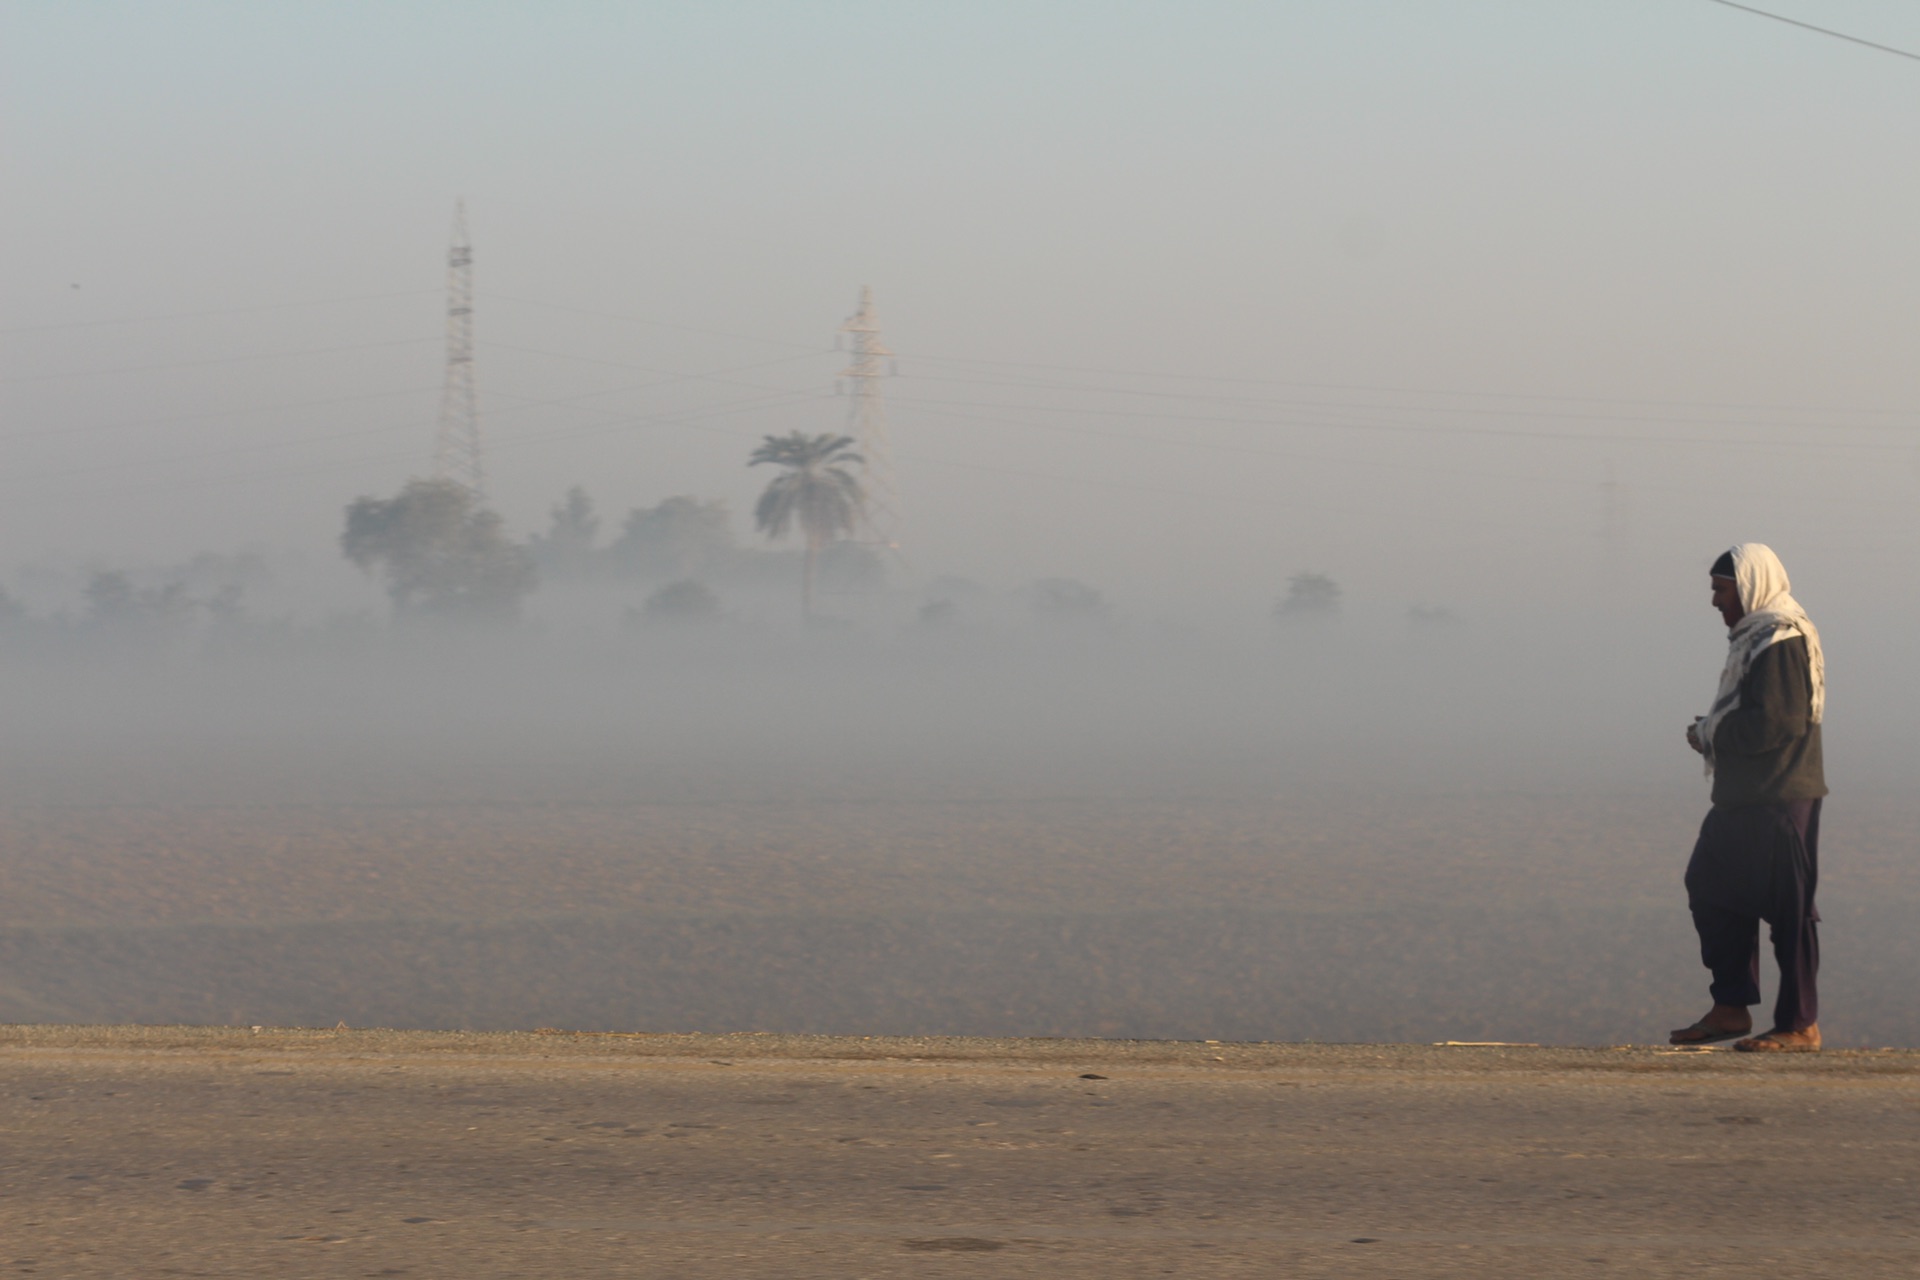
x: 1660, y: 201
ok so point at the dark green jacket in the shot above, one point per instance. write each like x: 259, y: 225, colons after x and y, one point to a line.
x: 1767, y: 750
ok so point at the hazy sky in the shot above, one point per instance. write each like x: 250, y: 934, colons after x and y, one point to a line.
x: 1187, y: 297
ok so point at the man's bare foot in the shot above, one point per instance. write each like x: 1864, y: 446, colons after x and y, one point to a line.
x: 1722, y: 1022
x: 1777, y: 1041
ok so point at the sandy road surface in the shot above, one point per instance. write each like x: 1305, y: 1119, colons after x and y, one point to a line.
x: 147, y: 1152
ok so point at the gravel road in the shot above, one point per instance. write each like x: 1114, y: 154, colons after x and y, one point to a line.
x: 219, y: 1152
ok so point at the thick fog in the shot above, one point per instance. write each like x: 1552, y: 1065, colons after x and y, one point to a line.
x: 1311, y: 428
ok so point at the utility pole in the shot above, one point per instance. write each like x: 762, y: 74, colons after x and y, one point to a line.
x: 867, y: 423
x: 456, y: 446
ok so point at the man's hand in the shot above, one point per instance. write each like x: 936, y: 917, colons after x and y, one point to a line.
x: 1693, y: 737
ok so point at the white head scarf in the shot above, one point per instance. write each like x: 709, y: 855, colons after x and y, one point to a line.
x: 1772, y: 615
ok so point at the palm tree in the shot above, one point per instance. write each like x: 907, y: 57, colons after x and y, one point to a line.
x: 814, y: 490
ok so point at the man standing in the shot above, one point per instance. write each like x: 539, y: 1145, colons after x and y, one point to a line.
x: 1758, y: 853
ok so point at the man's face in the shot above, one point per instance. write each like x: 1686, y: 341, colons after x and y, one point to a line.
x: 1726, y: 598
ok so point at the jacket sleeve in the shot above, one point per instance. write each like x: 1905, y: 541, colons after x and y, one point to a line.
x: 1776, y: 703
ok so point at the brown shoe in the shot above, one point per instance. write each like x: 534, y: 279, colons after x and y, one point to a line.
x: 1722, y: 1022
x: 1777, y: 1041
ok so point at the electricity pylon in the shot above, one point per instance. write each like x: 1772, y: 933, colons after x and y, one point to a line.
x: 867, y: 423
x: 456, y: 446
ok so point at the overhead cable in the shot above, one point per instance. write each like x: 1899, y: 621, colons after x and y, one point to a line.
x: 1253, y: 402
x: 1397, y: 428
x: 491, y: 296
x: 217, y: 311
x: 1825, y: 31
x: 196, y: 364
x: 1389, y: 390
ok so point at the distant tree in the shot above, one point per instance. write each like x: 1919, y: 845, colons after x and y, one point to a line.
x: 441, y: 553
x: 937, y: 615
x: 110, y: 598
x: 228, y: 605
x: 149, y: 621
x: 566, y: 548
x: 851, y: 566
x: 13, y: 614
x: 1065, y: 600
x: 210, y: 572
x: 680, y: 603
x: 112, y: 601
x: 814, y: 490
x: 679, y: 538
x: 1309, y: 595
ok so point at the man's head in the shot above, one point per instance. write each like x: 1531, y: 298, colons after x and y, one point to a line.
x: 1726, y: 588
x: 1726, y: 598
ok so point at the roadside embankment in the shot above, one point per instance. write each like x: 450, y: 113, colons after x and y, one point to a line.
x: 224, y: 1151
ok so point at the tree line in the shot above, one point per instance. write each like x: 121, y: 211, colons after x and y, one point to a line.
x: 443, y: 554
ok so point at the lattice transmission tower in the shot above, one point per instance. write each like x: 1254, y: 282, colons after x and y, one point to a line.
x: 867, y: 422
x: 457, y: 454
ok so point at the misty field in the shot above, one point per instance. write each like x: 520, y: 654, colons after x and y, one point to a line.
x: 1533, y: 918
x: 1136, y: 844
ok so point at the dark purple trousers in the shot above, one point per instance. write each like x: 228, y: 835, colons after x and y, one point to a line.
x: 1754, y: 863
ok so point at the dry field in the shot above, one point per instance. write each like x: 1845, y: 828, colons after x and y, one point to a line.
x: 1149, y: 843
x: 1543, y: 918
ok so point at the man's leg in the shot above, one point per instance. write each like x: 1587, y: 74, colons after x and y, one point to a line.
x: 1796, y: 945
x: 1730, y: 948
x: 1795, y: 925
x: 1717, y: 874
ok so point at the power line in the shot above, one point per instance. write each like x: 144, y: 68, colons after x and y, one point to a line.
x: 1398, y: 428
x: 197, y: 364
x: 1370, y: 464
x: 523, y: 403
x: 209, y: 413
x: 711, y: 375
x: 268, y: 446
x: 679, y: 418
x: 1288, y: 506
x: 217, y: 311
x: 1160, y: 375
x: 656, y: 324
x: 668, y: 417
x: 667, y: 375
x: 1253, y: 402
x: 1825, y: 31
x: 1393, y: 390
x: 258, y: 446
x: 688, y: 418
x: 918, y: 459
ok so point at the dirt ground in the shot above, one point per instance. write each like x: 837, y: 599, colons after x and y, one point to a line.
x: 198, y: 1152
